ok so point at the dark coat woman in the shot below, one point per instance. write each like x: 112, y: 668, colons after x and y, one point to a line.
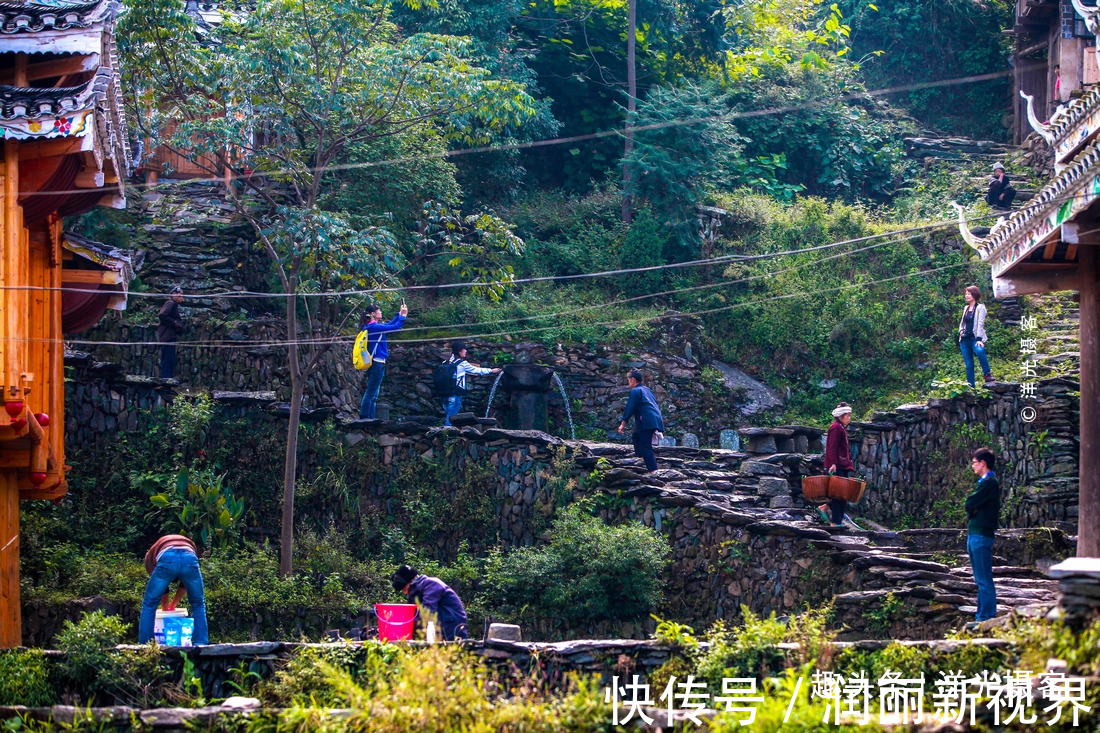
x: 642, y: 406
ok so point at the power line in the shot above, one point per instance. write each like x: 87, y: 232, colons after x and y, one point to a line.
x: 233, y: 294
x: 342, y: 339
x: 548, y: 142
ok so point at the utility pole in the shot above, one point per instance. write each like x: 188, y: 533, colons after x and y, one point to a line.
x: 631, y: 106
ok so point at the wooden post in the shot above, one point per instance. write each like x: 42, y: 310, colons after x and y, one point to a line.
x: 1088, y: 521
x: 11, y: 621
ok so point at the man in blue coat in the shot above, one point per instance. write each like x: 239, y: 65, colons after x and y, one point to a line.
x: 435, y: 598
x: 379, y: 350
x: 642, y: 406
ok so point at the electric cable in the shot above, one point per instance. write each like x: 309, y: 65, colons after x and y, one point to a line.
x: 547, y: 142
x: 523, y: 281
x: 346, y: 339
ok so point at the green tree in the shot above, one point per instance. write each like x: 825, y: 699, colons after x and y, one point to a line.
x: 686, y: 144
x: 643, y: 246
x: 276, y: 95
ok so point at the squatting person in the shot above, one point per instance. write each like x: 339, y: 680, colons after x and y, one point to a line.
x: 1001, y: 193
x: 171, y: 558
x: 642, y: 406
x: 983, y: 507
x: 972, y: 335
x: 436, y: 599
x: 838, y: 458
x: 168, y: 332
x: 379, y: 350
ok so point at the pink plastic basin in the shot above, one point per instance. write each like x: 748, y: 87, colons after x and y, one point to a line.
x: 395, y: 620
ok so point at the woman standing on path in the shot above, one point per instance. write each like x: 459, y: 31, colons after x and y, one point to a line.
x: 838, y: 458
x: 642, y: 406
x: 972, y: 335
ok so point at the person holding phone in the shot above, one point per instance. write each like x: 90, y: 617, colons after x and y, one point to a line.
x: 376, y: 345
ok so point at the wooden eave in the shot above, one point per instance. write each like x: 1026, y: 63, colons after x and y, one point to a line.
x: 35, y: 28
x: 1035, y: 250
x: 1076, y: 127
x: 54, y: 119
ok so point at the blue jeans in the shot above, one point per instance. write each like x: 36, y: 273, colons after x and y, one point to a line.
x: 374, y: 384
x: 182, y: 565
x: 970, y: 348
x: 451, y: 407
x: 980, y: 549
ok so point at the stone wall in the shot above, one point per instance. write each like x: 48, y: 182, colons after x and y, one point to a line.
x: 919, y: 455
x: 593, y: 377
x: 916, y: 458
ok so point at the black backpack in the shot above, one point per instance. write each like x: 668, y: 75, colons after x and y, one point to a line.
x: 445, y: 380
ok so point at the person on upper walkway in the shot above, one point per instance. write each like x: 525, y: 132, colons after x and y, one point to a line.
x: 642, y: 406
x: 1001, y: 193
x: 452, y: 403
x: 436, y: 599
x: 972, y: 335
x: 168, y: 330
x: 379, y: 350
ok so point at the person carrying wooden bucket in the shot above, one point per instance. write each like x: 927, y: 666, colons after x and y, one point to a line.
x: 838, y: 458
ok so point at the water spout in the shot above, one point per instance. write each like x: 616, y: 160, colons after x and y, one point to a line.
x: 568, y: 410
x: 492, y: 393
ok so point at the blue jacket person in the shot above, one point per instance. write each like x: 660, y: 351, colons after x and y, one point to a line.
x: 642, y: 406
x: 435, y: 597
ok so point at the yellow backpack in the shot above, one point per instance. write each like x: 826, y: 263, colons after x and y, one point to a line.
x: 361, y: 359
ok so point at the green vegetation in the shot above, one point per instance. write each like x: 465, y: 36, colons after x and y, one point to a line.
x: 588, y: 572
x: 25, y: 679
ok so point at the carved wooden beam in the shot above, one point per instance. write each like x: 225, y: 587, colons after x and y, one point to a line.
x: 1033, y: 120
x: 75, y: 64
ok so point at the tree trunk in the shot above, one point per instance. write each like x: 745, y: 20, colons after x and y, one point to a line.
x: 290, y: 467
x: 631, y: 106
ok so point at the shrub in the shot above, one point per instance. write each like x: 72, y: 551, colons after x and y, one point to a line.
x: 643, y: 247
x: 86, y: 645
x: 189, y: 417
x: 307, y: 677
x: 25, y: 679
x: 201, y: 508
x: 588, y: 572
x: 445, y: 688
x: 747, y: 651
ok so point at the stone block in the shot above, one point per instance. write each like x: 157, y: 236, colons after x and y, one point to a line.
x: 690, y: 440
x: 505, y: 632
x: 773, y: 486
x: 729, y: 440
x: 763, y: 444
x: 781, y: 502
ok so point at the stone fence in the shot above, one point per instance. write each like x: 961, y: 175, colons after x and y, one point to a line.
x: 916, y: 458
x: 593, y: 376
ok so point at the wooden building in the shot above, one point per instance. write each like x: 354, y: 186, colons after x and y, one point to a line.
x: 1052, y: 244
x: 1055, y: 56
x: 65, y: 151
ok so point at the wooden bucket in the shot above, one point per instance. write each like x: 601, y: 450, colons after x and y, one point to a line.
x: 815, y: 488
x: 849, y: 489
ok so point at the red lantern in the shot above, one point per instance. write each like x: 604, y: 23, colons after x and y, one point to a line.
x: 13, y: 408
x: 42, y: 418
x: 38, y: 478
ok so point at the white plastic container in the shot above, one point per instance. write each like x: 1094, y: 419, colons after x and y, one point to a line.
x: 158, y: 623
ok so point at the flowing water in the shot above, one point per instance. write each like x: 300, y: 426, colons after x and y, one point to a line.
x: 492, y: 393
x: 568, y: 411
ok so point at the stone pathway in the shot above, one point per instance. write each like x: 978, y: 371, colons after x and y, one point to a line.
x: 927, y: 569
